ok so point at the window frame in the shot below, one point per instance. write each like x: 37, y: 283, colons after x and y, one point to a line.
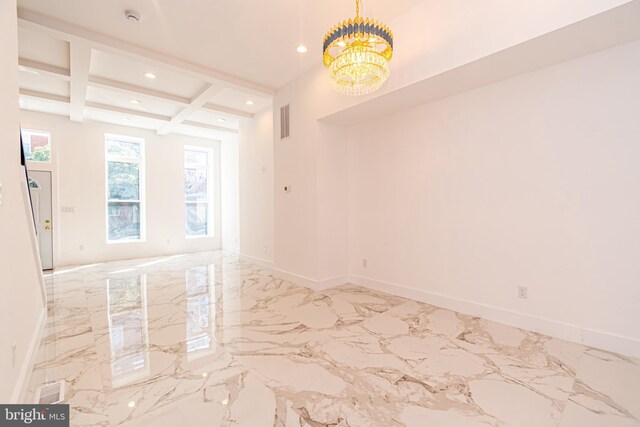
x: 211, y: 226
x: 108, y: 137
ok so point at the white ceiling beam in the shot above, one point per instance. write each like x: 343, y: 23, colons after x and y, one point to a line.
x: 104, y: 83
x: 44, y: 96
x: 211, y: 127
x: 127, y: 88
x: 227, y: 110
x: 136, y: 113
x: 127, y: 111
x: 80, y: 62
x: 70, y: 32
x: 44, y: 69
x: 202, y: 97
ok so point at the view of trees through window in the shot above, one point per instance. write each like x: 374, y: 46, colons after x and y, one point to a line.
x: 196, y: 192
x: 36, y: 146
x: 124, y: 201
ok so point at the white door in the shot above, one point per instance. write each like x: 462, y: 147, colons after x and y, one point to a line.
x: 40, y: 189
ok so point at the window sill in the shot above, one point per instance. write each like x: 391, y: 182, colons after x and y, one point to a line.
x: 121, y: 242
x: 208, y: 236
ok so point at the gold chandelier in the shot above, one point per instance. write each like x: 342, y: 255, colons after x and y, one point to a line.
x: 357, y: 53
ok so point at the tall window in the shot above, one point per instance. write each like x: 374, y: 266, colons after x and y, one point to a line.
x: 36, y: 145
x: 197, y: 191
x: 125, y: 188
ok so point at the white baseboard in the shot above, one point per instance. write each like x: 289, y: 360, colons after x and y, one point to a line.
x: 553, y: 328
x: 316, y: 285
x: 232, y: 249
x: 22, y: 385
x: 258, y: 261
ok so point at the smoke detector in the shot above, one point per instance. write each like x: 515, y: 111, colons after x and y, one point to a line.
x: 132, y: 15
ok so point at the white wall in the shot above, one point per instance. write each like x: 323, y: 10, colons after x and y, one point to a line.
x: 22, y: 305
x: 310, y: 220
x: 80, y: 172
x: 230, y: 197
x: 431, y: 38
x: 256, y: 186
x: 532, y: 181
x: 435, y: 36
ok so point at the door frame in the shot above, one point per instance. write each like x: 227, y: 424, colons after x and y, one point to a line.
x: 43, y: 180
x: 52, y: 167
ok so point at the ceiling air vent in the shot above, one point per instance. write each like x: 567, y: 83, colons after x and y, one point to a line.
x: 50, y: 393
x: 285, y: 124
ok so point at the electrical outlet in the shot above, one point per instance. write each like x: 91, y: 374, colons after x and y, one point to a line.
x: 364, y: 263
x: 522, y: 292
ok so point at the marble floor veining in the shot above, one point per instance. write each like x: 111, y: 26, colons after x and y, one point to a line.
x: 208, y: 340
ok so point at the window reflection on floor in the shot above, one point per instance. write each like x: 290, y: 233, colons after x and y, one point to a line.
x: 128, y: 329
x: 200, y: 311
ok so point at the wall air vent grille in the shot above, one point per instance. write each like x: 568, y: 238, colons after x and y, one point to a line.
x: 285, y: 123
x: 51, y: 393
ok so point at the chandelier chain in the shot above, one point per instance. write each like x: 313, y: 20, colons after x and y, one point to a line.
x: 358, y: 4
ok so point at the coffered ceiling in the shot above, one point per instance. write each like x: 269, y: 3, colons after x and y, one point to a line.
x: 214, y: 61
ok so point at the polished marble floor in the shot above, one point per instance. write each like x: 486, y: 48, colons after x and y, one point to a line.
x: 207, y: 340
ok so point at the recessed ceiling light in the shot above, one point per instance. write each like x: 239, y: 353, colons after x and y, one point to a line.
x: 249, y: 102
x: 225, y: 402
x: 136, y: 101
x: 204, y: 375
x: 221, y: 120
x: 302, y: 49
x: 150, y: 75
x: 131, y: 404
